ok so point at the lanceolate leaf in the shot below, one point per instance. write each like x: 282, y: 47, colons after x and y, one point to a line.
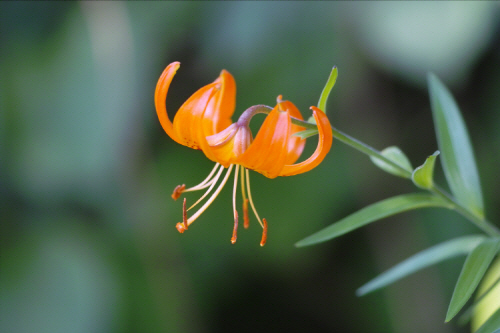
x: 423, y: 175
x: 472, y: 272
x: 423, y: 259
x: 330, y: 83
x: 492, y: 325
x: 394, y: 154
x: 456, y: 151
x: 373, y: 213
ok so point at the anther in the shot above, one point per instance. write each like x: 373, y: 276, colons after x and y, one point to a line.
x: 180, y: 227
x: 246, y: 220
x: 264, y: 233
x: 235, y: 230
x: 178, y: 191
x: 184, y: 215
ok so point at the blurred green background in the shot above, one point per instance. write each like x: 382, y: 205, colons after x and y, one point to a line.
x: 88, y: 240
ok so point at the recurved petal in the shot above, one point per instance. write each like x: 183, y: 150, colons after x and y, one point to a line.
x: 324, y: 144
x: 221, y: 107
x: 268, y: 152
x: 295, y: 143
x: 188, y: 121
x: 160, y: 97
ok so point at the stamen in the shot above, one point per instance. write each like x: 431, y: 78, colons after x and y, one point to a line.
x: 212, y: 198
x: 184, y: 215
x: 212, y: 184
x: 264, y: 233
x: 235, y: 229
x: 246, y: 221
x: 178, y: 191
x: 245, y: 200
x: 180, y: 227
x: 250, y: 197
x: 235, y: 186
x: 206, y: 182
x: 279, y: 100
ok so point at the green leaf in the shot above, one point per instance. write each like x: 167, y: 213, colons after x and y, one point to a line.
x: 423, y: 175
x: 472, y: 272
x: 492, y: 325
x: 423, y: 259
x: 373, y: 213
x: 327, y: 89
x: 456, y: 150
x: 394, y: 154
x: 467, y: 315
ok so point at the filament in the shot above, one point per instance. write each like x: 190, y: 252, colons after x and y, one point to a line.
x: 212, y: 184
x: 212, y: 198
x: 235, y: 186
x: 206, y: 182
x: 250, y: 197
x: 245, y: 200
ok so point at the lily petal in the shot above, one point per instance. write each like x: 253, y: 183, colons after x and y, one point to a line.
x: 268, y: 152
x: 160, y: 97
x: 295, y: 143
x: 188, y: 121
x: 324, y: 144
x: 221, y: 107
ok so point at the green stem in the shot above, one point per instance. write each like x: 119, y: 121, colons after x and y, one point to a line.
x: 481, y: 223
x: 356, y: 144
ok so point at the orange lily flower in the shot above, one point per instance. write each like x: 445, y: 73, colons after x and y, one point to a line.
x: 204, y: 122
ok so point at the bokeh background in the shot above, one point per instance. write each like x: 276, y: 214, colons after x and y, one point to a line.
x: 88, y: 240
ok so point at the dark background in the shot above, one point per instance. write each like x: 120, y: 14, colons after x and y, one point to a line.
x: 88, y: 240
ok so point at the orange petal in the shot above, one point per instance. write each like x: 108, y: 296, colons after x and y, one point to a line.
x: 205, y: 113
x: 295, y: 143
x: 188, y: 120
x: 324, y: 144
x: 160, y: 97
x: 229, y: 144
x: 268, y: 152
x: 218, y: 113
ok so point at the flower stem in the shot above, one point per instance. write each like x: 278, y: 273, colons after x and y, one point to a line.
x: 480, y: 222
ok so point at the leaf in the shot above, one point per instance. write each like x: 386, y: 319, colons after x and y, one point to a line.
x: 423, y: 175
x: 492, y: 325
x: 456, y: 151
x: 373, y: 213
x: 330, y: 83
x: 394, y: 154
x: 423, y: 259
x: 472, y: 272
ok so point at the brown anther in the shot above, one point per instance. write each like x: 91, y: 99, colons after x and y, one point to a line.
x: 246, y: 220
x: 180, y: 227
x: 264, y: 233
x: 235, y: 230
x: 184, y: 215
x: 178, y: 191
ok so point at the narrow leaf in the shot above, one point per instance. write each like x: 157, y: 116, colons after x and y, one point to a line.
x: 492, y: 325
x: 373, y: 213
x: 472, y: 272
x: 456, y: 150
x: 478, y: 305
x: 330, y: 83
x: 394, y: 154
x: 423, y: 259
x: 423, y: 175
